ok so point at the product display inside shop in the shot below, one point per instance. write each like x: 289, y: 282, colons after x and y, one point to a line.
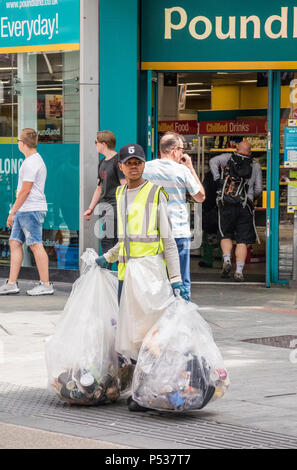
x: 212, y: 145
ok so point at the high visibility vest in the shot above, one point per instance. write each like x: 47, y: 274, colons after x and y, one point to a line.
x: 143, y: 237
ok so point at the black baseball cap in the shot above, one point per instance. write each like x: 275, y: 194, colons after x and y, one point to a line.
x: 131, y: 151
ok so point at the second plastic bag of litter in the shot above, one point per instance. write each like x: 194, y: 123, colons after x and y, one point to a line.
x: 81, y: 359
x: 179, y: 366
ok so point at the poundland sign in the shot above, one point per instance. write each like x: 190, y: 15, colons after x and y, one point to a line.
x: 203, y: 35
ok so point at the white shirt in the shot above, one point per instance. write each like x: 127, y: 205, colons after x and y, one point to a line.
x: 176, y: 179
x: 33, y: 170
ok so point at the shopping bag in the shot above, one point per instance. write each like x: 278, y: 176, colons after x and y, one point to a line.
x: 81, y: 359
x: 179, y: 366
x: 146, y: 294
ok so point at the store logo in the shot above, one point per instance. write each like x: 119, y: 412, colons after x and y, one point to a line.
x: 201, y: 27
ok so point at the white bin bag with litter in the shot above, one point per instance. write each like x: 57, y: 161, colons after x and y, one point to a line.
x: 81, y: 359
x: 146, y: 294
x: 179, y: 366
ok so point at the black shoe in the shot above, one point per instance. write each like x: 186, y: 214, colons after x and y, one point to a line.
x: 133, y: 405
x: 238, y: 277
x: 208, y: 396
x: 226, y: 271
x: 203, y: 264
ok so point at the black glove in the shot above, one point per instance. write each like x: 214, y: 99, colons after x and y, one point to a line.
x: 250, y: 204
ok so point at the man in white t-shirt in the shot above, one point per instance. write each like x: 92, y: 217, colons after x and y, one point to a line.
x: 26, y: 218
x: 176, y: 174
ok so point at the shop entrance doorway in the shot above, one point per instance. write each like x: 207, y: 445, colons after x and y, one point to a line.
x: 214, y: 111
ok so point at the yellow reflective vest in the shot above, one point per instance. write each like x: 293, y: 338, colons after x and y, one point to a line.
x: 140, y: 225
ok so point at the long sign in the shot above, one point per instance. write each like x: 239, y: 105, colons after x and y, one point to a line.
x: 200, y: 35
x: 36, y: 25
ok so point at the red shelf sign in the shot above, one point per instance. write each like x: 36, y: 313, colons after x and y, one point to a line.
x: 181, y: 127
x: 238, y: 127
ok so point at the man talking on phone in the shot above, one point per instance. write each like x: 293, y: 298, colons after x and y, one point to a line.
x: 175, y: 173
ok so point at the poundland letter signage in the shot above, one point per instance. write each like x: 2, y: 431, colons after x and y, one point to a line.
x: 195, y: 34
x: 31, y: 25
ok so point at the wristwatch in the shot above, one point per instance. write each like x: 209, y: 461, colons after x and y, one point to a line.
x: 11, y: 212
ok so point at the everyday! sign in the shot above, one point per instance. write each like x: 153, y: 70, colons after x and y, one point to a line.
x: 179, y: 35
x: 29, y: 28
x: 201, y: 27
x: 25, y: 25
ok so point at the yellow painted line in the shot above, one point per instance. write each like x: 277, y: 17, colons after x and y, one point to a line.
x: 282, y: 65
x: 42, y: 48
x: 8, y: 140
x: 264, y: 199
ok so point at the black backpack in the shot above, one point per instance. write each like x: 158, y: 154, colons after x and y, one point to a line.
x: 235, y: 178
x: 209, y: 207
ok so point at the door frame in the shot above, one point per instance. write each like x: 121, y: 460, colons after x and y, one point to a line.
x: 149, y: 92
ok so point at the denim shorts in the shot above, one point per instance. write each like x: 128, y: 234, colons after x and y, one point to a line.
x: 27, y: 226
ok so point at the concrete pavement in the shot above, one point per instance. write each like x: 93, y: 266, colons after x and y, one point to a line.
x: 19, y: 437
x: 261, y: 399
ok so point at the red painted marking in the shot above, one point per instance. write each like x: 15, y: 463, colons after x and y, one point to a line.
x: 277, y: 310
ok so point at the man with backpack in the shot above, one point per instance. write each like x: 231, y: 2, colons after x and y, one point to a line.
x: 239, y: 182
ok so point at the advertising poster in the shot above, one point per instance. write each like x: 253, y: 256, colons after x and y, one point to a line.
x: 53, y: 106
x: 290, y: 158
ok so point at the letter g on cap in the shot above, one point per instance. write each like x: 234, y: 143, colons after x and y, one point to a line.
x: 131, y: 150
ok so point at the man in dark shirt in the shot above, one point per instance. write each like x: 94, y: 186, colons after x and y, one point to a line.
x: 109, y: 178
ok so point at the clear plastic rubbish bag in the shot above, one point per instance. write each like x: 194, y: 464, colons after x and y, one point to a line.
x: 179, y: 366
x: 81, y: 359
x: 146, y: 294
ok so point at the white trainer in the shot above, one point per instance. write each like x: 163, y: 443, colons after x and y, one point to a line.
x: 41, y: 289
x: 7, y: 289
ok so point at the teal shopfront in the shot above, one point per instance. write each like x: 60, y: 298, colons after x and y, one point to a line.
x: 128, y: 66
x: 232, y: 62
x: 39, y: 77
